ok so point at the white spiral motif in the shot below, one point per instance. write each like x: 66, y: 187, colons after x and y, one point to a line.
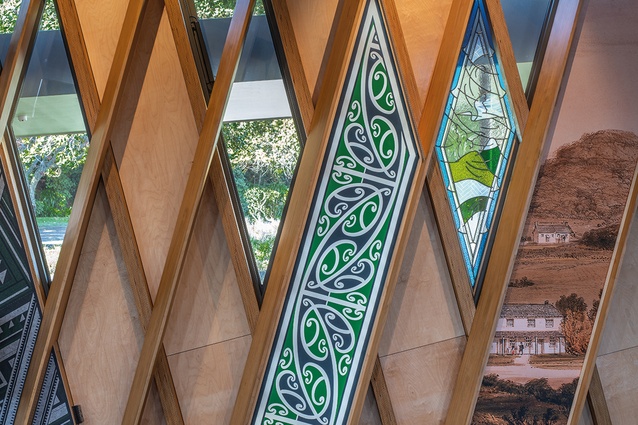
x: 362, y: 190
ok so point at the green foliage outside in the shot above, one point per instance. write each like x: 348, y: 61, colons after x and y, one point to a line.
x: 264, y: 156
x: 53, y: 165
x: 221, y: 8
x: 9, y: 15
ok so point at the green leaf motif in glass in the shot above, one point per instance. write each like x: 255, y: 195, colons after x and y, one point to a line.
x: 475, y: 140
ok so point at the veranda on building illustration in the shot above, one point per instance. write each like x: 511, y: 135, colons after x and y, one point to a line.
x: 529, y: 329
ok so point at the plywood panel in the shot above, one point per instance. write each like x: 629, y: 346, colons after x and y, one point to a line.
x: 155, y: 151
x: 423, y: 22
x: 621, y: 327
x: 101, y: 338
x: 102, y: 22
x: 312, y: 24
x: 618, y: 372
x: 420, y: 381
x: 207, y: 380
x: 423, y: 309
x: 208, y: 306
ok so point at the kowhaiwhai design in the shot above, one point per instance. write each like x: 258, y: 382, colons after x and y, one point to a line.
x: 20, y: 316
x: 347, y: 246
x: 475, y: 140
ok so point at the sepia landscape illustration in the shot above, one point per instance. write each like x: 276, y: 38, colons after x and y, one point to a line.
x: 545, y: 325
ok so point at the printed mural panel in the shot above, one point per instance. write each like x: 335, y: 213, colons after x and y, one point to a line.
x: 545, y: 325
x: 475, y: 140
x: 20, y: 315
x: 348, y: 243
x: 570, y: 233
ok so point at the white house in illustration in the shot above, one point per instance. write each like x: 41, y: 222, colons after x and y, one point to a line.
x: 529, y: 329
x: 550, y: 233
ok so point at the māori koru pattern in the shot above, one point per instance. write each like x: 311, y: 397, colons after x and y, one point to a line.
x: 475, y: 140
x: 20, y: 318
x: 348, y: 243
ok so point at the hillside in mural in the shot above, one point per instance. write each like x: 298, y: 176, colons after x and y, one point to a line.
x: 545, y: 325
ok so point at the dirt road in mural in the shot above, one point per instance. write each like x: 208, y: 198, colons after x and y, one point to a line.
x: 560, y: 269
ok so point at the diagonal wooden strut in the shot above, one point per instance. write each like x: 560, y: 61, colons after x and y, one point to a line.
x: 78, y: 222
x: 469, y: 378
x: 119, y: 210
x: 188, y: 211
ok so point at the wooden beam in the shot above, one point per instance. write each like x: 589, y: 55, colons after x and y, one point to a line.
x: 139, y: 285
x: 431, y: 117
x: 65, y: 272
x: 293, y: 61
x: 517, y: 200
x: 597, y: 402
x: 188, y: 211
x: 246, y: 280
x: 300, y: 203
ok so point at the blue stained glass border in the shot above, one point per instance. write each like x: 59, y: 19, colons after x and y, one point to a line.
x: 477, y: 8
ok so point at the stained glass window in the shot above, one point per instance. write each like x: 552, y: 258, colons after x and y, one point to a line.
x: 475, y: 140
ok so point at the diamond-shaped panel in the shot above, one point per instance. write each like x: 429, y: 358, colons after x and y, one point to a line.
x: 475, y: 140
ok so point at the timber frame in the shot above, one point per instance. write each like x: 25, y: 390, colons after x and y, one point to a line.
x: 208, y: 170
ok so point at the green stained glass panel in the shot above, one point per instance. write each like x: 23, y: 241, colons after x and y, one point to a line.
x: 475, y: 140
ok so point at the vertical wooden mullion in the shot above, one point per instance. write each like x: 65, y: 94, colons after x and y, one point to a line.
x: 90, y: 100
x: 78, y: 222
x: 188, y: 210
x: 517, y: 200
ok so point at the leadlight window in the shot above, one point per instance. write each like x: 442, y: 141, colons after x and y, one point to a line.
x: 476, y: 140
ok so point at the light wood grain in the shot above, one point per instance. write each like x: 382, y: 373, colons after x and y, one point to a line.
x: 89, y: 97
x: 420, y: 381
x: 510, y: 226
x: 586, y: 418
x: 100, y: 37
x: 78, y: 222
x: 423, y: 23
x: 188, y: 211
x: 229, y: 212
x: 206, y: 380
x: 312, y: 23
x: 208, y: 307
x: 618, y: 373
x: 101, y: 324
x: 423, y: 294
